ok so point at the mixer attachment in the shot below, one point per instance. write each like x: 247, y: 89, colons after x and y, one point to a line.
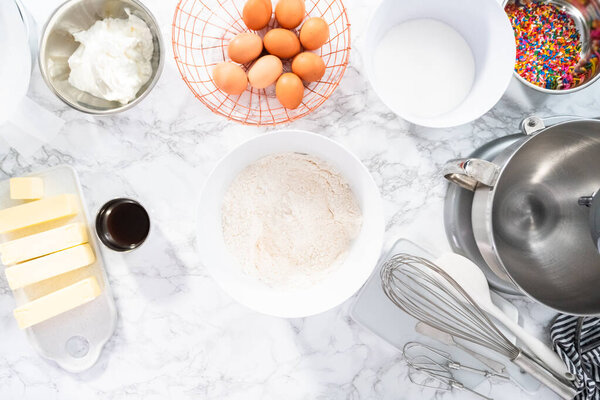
x: 433, y: 368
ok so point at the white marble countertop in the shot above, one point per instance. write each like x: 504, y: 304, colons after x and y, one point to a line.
x: 178, y: 335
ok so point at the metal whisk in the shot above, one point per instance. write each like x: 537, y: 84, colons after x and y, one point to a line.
x: 425, y: 291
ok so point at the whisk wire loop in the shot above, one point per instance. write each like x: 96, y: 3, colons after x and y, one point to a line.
x: 425, y: 291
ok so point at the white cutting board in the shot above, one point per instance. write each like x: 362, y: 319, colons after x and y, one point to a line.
x: 74, y: 340
x: 375, y: 312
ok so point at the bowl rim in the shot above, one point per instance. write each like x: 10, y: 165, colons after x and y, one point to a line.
x: 52, y: 19
x: 559, y: 92
x: 367, y: 53
x: 379, y: 224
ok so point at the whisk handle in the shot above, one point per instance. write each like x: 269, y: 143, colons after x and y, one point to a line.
x: 562, y: 387
x: 539, y: 349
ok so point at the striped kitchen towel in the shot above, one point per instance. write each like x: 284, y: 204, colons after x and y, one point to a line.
x: 577, y: 342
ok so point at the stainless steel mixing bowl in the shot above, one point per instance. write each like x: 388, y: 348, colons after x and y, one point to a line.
x: 526, y: 216
x: 57, y: 45
x: 585, y: 14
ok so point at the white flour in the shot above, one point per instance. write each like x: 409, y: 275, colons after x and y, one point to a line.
x: 290, y: 219
x: 425, y: 67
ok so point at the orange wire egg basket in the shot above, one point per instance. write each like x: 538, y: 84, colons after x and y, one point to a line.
x: 201, y: 33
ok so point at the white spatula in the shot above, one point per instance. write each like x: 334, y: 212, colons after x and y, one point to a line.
x: 474, y: 283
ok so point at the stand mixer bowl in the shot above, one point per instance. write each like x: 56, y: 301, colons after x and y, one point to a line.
x: 526, y: 219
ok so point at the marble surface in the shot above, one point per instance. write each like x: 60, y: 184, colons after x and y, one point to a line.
x: 178, y: 335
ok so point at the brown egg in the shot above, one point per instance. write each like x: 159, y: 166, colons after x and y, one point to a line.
x: 257, y: 13
x: 282, y: 43
x: 289, y: 90
x: 314, y: 33
x: 230, y: 78
x: 308, y: 66
x: 245, y: 47
x: 290, y: 13
x: 265, y: 71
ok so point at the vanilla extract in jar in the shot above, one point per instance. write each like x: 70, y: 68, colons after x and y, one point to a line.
x: 123, y: 224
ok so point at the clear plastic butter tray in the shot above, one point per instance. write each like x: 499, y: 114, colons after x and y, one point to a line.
x: 74, y: 339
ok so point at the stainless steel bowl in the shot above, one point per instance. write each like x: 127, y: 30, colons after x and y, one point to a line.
x: 57, y: 45
x: 584, y: 14
x: 526, y: 216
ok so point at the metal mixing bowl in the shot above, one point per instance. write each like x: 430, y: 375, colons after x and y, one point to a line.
x: 57, y: 45
x: 540, y: 233
x: 526, y: 216
x: 584, y: 14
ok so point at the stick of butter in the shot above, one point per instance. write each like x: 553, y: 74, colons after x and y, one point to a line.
x: 53, y: 304
x: 37, y: 212
x: 28, y: 188
x: 43, y: 243
x: 55, y: 264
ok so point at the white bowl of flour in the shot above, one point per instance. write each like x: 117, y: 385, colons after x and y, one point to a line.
x: 222, y: 224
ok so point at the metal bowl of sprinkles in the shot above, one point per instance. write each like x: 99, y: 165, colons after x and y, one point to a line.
x: 558, y: 43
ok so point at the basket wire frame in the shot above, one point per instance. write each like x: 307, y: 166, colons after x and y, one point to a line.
x: 201, y: 32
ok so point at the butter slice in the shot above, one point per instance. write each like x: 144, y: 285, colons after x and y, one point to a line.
x: 53, y: 304
x: 28, y: 188
x: 37, y: 212
x: 55, y: 264
x: 43, y: 243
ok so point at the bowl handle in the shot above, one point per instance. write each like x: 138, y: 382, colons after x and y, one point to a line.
x: 533, y: 124
x: 468, y: 173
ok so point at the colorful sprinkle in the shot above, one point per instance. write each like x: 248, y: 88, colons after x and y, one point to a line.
x: 549, y: 46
